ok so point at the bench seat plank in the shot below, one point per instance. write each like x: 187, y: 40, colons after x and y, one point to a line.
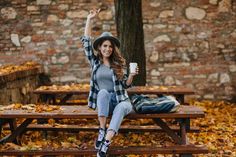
x: 76, y: 128
x: 179, y: 149
x: 84, y: 112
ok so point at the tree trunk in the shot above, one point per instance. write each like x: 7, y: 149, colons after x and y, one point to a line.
x: 129, y: 25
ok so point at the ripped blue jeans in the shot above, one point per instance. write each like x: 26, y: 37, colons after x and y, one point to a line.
x: 107, y: 105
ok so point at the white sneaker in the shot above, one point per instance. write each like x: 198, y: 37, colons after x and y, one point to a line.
x: 101, y: 138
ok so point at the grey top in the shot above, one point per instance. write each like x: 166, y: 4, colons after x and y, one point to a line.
x: 104, y: 78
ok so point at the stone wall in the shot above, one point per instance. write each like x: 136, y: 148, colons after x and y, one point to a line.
x: 190, y: 43
x: 17, y: 87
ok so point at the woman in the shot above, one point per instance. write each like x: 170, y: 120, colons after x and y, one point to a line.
x: 108, y: 83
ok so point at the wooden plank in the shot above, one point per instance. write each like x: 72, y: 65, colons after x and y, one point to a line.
x: 188, y: 149
x: 177, y: 91
x: 78, y: 112
x: 160, y: 90
x: 76, y: 128
x: 134, y: 90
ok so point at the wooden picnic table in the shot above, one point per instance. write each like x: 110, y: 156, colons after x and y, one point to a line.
x: 51, y: 94
x: 183, y: 117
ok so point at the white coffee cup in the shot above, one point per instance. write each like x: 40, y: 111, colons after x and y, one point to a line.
x: 132, y: 67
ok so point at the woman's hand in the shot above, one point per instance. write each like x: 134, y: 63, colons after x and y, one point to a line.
x: 131, y: 76
x: 93, y: 13
x: 136, y: 72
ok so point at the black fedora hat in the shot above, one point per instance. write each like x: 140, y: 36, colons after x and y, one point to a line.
x: 105, y: 36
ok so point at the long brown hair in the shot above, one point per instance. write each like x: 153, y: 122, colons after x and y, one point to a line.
x: 117, y: 62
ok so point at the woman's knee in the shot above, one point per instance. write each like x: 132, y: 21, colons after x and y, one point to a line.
x: 103, y: 102
x: 123, y: 107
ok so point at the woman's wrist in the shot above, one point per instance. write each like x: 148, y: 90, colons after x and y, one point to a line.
x: 131, y: 75
x: 89, y: 19
x: 129, y: 80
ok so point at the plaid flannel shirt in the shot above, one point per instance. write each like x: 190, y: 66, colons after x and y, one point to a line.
x: 119, y: 85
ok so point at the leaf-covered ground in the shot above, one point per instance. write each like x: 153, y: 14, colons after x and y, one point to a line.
x: 218, y: 133
x: 218, y: 128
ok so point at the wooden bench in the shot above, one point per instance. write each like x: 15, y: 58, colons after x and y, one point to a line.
x: 50, y: 95
x: 178, y: 134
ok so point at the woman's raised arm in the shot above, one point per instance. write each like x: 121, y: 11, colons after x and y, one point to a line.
x: 91, y: 15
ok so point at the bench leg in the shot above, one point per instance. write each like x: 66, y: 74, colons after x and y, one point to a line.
x: 18, y: 131
x: 168, y: 130
x: 2, y: 122
x: 13, y: 126
x: 43, y: 121
x: 184, y: 126
x: 46, y: 98
x: 183, y: 134
x: 67, y: 97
